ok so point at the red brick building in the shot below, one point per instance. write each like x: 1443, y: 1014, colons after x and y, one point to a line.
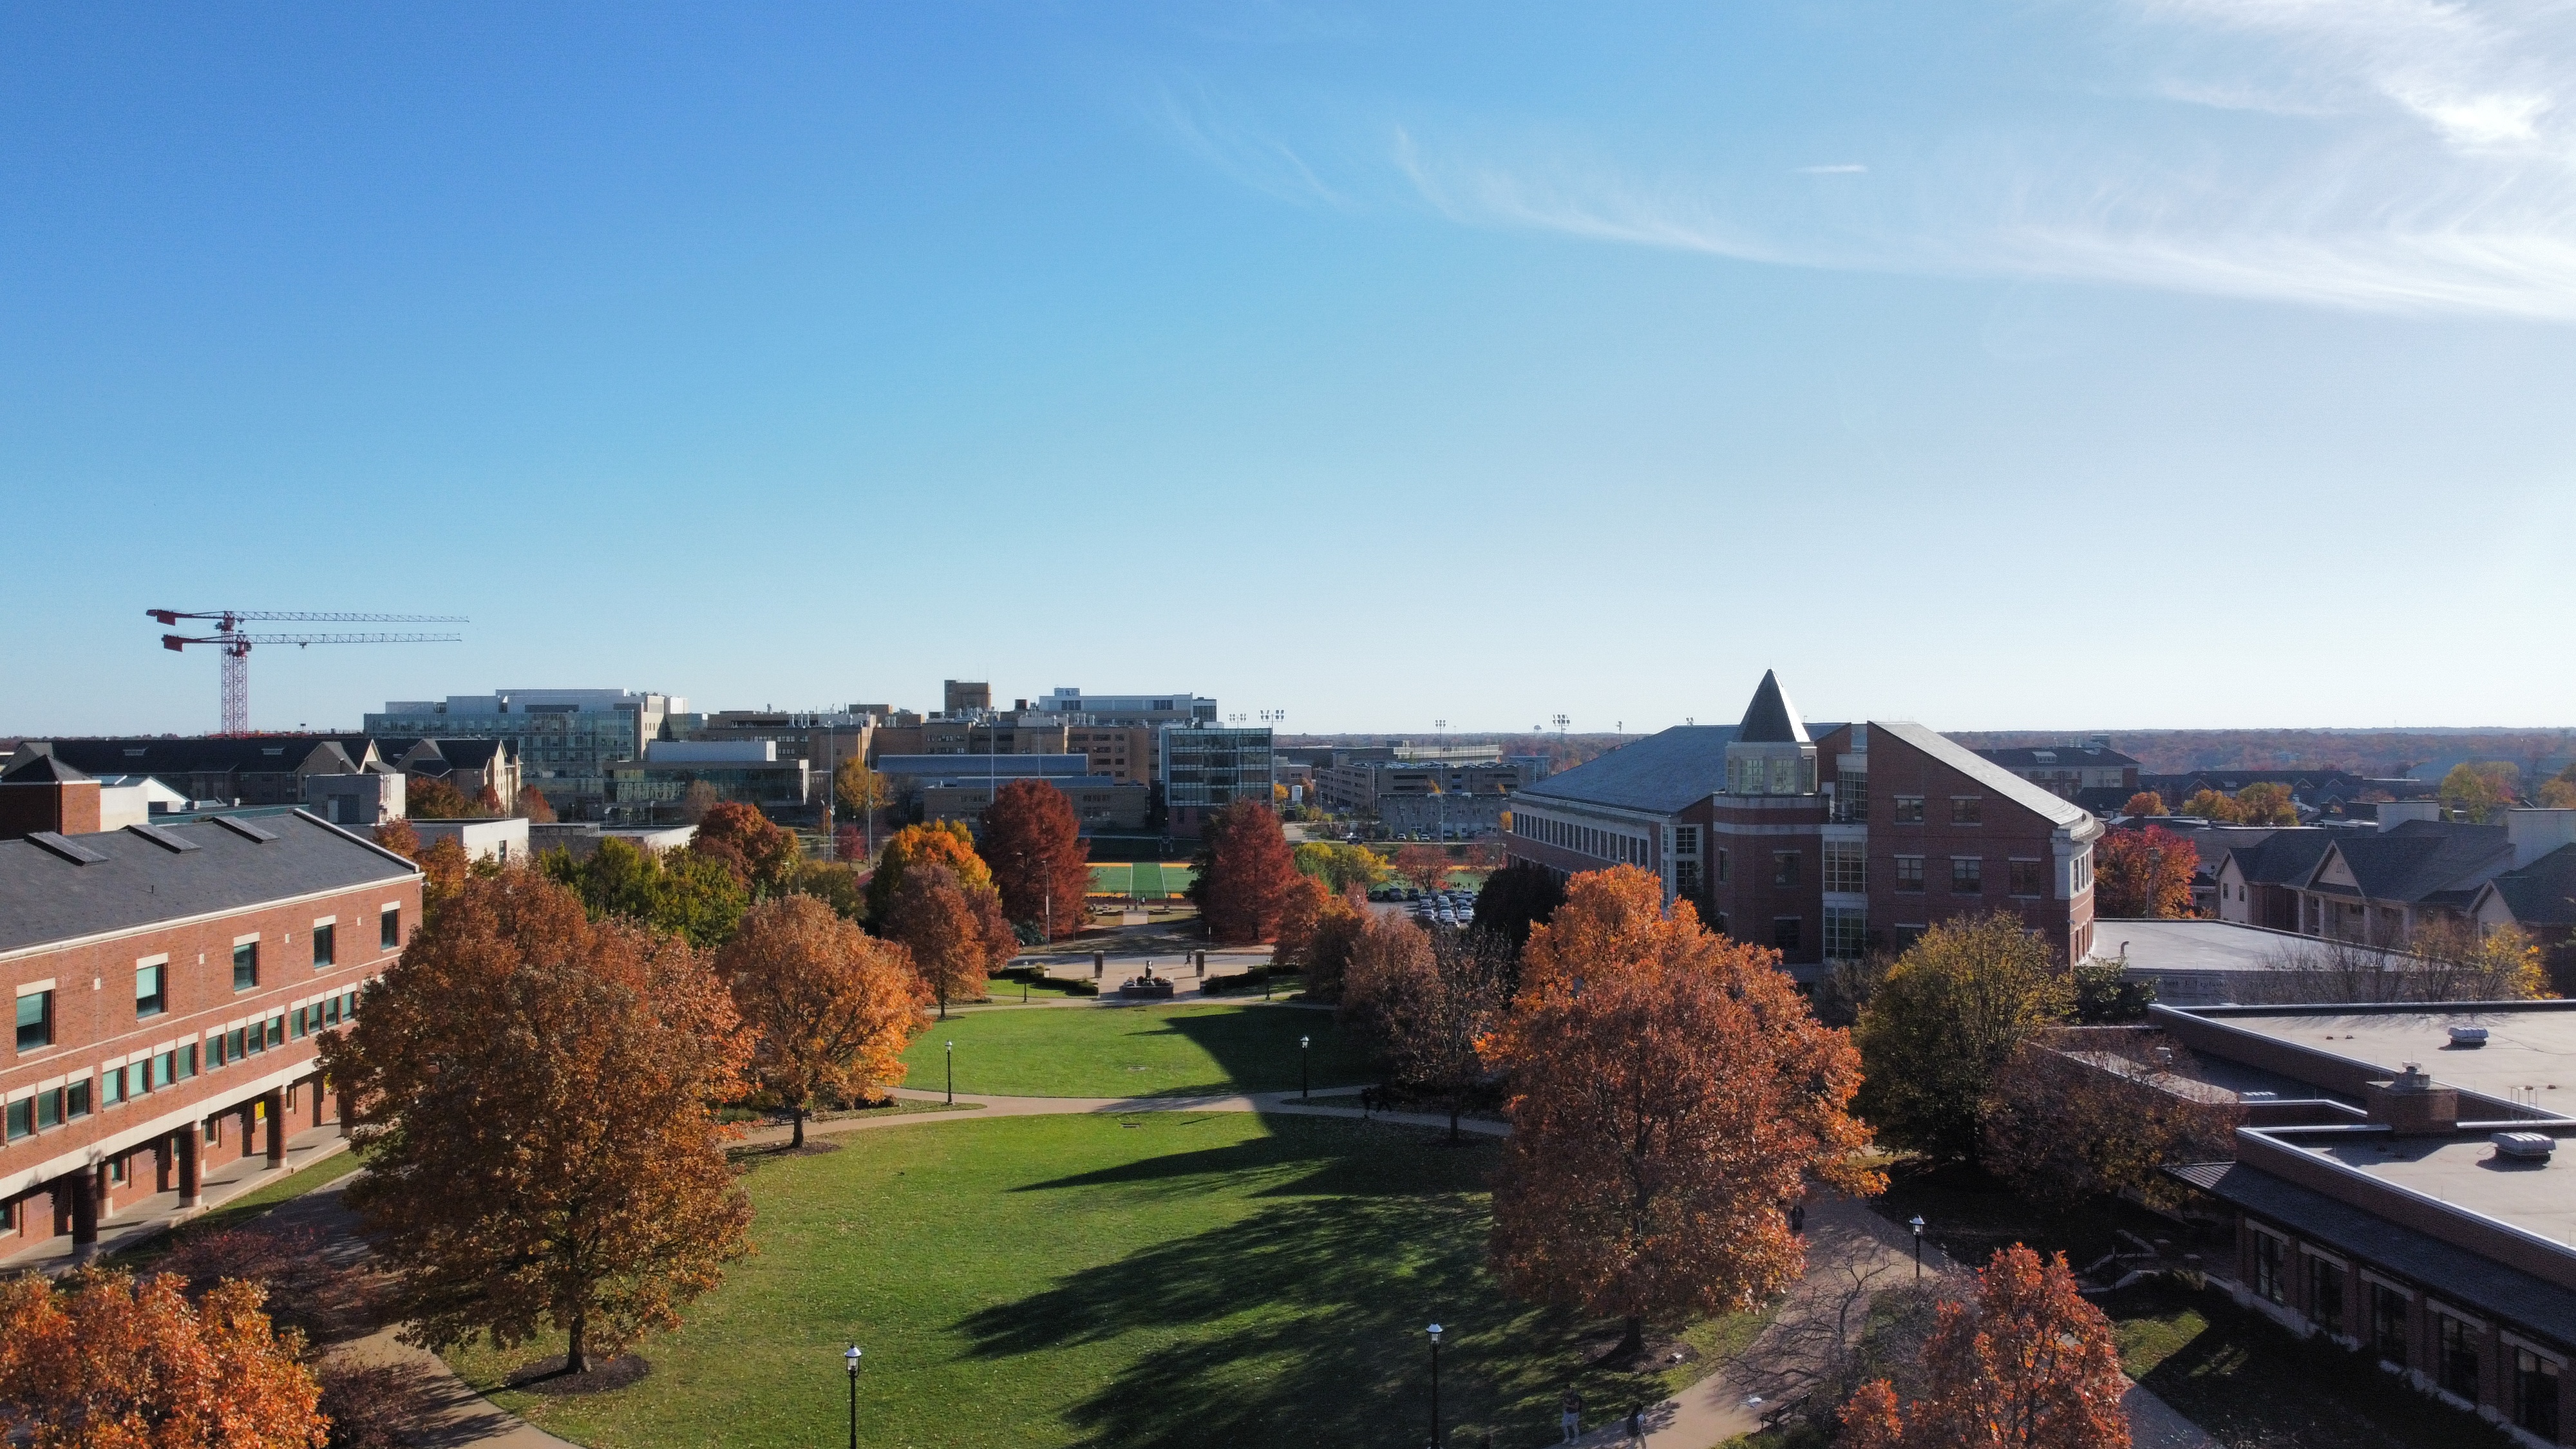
x: 1828, y: 846
x: 170, y: 985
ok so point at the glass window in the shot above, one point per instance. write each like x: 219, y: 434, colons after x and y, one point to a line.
x: 49, y: 1109
x: 1966, y: 809
x: 1846, y: 933
x: 1784, y: 867
x: 165, y: 1070
x: 1721, y: 867
x: 1784, y: 932
x: 76, y: 1099
x: 1846, y: 866
x: 150, y: 999
x: 331, y: 1012
x: 1967, y: 875
x: 245, y: 966
x: 277, y: 1030
x: 2267, y: 1268
x: 2325, y: 1296
x: 1851, y: 796
x: 35, y: 1020
x: 1909, y: 809
x: 1909, y: 874
x: 2029, y: 877
x: 2535, y: 1393
x: 187, y: 1061
x: 234, y: 1047
x: 389, y: 928
x: 138, y: 1078
x: 22, y: 1118
x: 322, y: 937
x: 295, y: 1024
x: 2455, y: 1357
x: 112, y: 1086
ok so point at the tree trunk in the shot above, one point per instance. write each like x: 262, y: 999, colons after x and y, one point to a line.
x: 797, y: 1139
x: 1634, y: 1343
x: 576, y: 1345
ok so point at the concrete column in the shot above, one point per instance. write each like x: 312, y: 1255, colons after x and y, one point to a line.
x: 313, y: 1086
x: 249, y: 1127
x: 82, y: 1187
x: 60, y: 1192
x: 105, y: 1173
x: 274, y: 1105
x: 192, y: 1190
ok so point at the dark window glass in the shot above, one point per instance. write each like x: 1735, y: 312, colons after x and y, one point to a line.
x: 22, y: 1118
x: 164, y: 1070
x: 331, y: 1012
x: 2325, y: 1295
x: 1784, y: 867
x: 1909, y: 809
x: 2029, y: 877
x: 138, y: 1079
x: 1784, y: 932
x: 1966, y: 809
x: 234, y: 1049
x: 322, y: 946
x: 187, y: 1062
x: 2535, y: 1393
x: 277, y: 1030
x: 35, y: 1020
x: 2267, y: 1267
x: 245, y: 966
x: 389, y: 929
x: 49, y: 1109
x: 151, y: 995
x: 1967, y: 875
x: 1909, y: 874
x: 76, y: 1099
x: 2456, y: 1358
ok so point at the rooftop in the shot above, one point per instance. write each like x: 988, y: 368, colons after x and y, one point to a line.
x: 2530, y: 1051
x: 1661, y: 773
x: 2030, y: 797
x: 2463, y: 1171
x: 2035, y: 756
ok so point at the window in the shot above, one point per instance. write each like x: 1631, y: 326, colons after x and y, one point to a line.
x: 1851, y: 796
x: 389, y: 928
x: 331, y: 1012
x: 277, y: 1030
x: 165, y: 1070
x: 1784, y: 867
x: 1966, y: 809
x: 1846, y: 867
x: 185, y: 1061
x: 35, y: 1020
x: 234, y: 1048
x: 1907, y: 933
x: 295, y: 1024
x: 2267, y: 1268
x: 1909, y: 874
x: 1784, y: 932
x: 322, y: 946
x: 2325, y: 1295
x: 112, y: 1086
x: 150, y: 999
x: 1846, y: 933
x: 49, y: 1109
x: 76, y: 1099
x: 1967, y: 875
x: 2455, y: 1357
x: 138, y: 1078
x: 2028, y: 877
x: 2535, y: 1393
x: 1721, y: 867
x: 1686, y: 878
x: 245, y: 966
x: 1685, y: 840
x: 22, y: 1118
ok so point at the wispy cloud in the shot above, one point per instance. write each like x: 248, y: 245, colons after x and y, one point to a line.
x: 2406, y: 155
x: 1225, y: 136
x: 1846, y: 168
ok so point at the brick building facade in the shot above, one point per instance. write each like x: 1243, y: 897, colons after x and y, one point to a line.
x: 171, y: 984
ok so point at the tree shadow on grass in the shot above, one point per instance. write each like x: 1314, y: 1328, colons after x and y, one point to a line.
x: 1308, y: 1157
x: 1257, y: 1049
x: 1304, y: 1324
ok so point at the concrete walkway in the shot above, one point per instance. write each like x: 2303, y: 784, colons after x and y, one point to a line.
x: 139, y: 1214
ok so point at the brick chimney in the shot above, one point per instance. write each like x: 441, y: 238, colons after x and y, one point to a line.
x: 39, y: 792
x: 2414, y: 1104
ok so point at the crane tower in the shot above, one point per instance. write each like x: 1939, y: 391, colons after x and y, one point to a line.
x: 233, y: 644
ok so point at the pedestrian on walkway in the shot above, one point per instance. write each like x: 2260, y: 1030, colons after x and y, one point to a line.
x: 1637, y: 1425
x: 1798, y: 1217
x: 1569, y: 1407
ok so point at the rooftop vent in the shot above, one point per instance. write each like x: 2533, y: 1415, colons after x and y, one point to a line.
x: 2468, y: 1036
x: 71, y: 850
x: 2524, y: 1146
x: 162, y: 838
x: 245, y: 829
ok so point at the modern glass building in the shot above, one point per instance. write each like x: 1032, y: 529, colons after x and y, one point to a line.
x: 1205, y: 768
x: 567, y: 738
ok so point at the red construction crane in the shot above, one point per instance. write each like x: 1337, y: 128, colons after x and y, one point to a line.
x: 234, y: 645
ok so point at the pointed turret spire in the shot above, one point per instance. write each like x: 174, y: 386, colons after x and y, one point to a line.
x: 1771, y: 719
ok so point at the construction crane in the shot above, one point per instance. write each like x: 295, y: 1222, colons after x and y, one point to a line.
x: 234, y: 645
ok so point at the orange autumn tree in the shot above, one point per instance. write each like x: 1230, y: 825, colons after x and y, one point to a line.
x: 1671, y: 1095
x: 2145, y: 802
x: 535, y: 1089
x: 2142, y: 874
x: 944, y: 844
x: 103, y: 1359
x: 2029, y: 1365
x: 1424, y: 867
x: 760, y: 854
x: 1244, y: 872
x: 940, y: 925
x: 832, y: 1007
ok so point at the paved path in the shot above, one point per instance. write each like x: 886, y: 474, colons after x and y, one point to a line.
x: 139, y: 1214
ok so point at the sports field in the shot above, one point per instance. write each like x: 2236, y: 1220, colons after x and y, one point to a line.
x: 1146, y: 879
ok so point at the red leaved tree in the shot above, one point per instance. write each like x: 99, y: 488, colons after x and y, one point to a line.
x: 1425, y: 867
x: 534, y: 805
x: 1671, y: 1095
x: 761, y: 854
x: 947, y: 936
x: 535, y: 1088
x: 102, y: 1359
x: 1245, y: 873
x: 832, y: 1007
x: 1039, y: 860
x: 2143, y: 873
x: 2029, y: 1365
x: 944, y: 844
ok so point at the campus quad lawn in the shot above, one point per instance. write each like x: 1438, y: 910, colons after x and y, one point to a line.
x: 1134, y: 1051
x: 1164, y: 1280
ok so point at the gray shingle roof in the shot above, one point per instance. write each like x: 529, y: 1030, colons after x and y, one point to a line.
x: 2542, y: 893
x: 2028, y: 756
x: 2424, y: 859
x: 45, y: 898
x: 2283, y: 856
x: 41, y: 769
x: 2455, y: 1274
x: 2057, y: 810
x: 1662, y: 773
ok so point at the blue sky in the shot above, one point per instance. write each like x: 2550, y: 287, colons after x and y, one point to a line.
x: 2167, y: 362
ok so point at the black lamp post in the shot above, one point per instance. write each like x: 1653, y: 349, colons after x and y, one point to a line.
x: 852, y: 1359
x: 1916, y: 1223
x: 1435, y: 1385
x: 1304, y: 1082
x: 952, y: 1074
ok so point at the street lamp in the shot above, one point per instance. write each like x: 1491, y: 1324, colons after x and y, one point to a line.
x: 852, y: 1359
x: 1304, y: 1083
x: 1435, y: 1385
x: 952, y: 1075
x: 1916, y: 1223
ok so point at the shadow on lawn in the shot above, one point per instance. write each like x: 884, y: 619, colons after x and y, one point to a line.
x: 1304, y: 1323
x: 1257, y: 1048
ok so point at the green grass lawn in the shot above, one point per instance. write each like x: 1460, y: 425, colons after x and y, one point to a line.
x: 1134, y: 1051
x: 2254, y: 1386
x: 1161, y: 1281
